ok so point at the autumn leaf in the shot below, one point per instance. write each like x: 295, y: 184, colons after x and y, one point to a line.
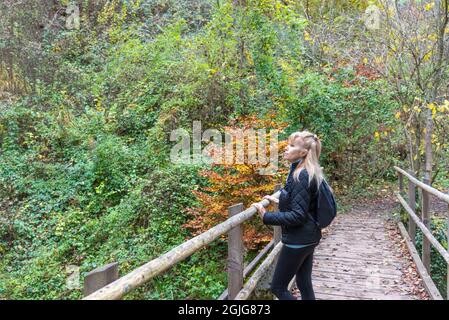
x: 429, y: 6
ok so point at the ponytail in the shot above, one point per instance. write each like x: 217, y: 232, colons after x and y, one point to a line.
x: 311, y: 161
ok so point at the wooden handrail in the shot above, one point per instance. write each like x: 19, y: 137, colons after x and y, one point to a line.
x: 431, y: 288
x: 422, y: 185
x: 137, y: 277
x: 426, y: 232
x: 428, y: 239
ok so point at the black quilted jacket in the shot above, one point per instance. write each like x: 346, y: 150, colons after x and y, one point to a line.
x: 297, y: 205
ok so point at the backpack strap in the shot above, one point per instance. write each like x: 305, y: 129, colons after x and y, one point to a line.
x: 314, y: 195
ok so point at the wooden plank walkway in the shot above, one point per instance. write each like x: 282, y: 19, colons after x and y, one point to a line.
x: 362, y: 257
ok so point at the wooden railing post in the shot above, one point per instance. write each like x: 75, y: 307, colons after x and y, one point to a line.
x: 277, y: 233
x: 401, y: 183
x: 100, y: 277
x: 412, y: 204
x: 235, y: 255
x: 426, y: 221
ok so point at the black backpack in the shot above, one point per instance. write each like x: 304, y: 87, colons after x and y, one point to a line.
x: 326, y: 209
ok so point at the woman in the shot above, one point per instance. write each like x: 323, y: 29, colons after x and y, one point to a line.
x: 297, y: 206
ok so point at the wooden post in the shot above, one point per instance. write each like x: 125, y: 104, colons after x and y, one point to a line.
x: 235, y: 255
x: 426, y: 222
x: 100, y: 277
x: 412, y: 204
x: 401, y: 183
x: 277, y: 233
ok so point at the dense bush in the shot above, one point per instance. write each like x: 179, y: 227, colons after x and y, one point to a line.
x: 346, y: 110
x: 91, y: 229
x: 82, y: 195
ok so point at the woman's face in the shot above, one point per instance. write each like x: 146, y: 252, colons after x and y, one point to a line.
x: 294, y: 150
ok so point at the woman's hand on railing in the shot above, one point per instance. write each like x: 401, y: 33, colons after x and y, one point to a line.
x: 260, y: 209
x: 272, y: 199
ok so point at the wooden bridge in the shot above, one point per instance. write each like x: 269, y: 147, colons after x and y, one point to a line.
x: 364, y: 254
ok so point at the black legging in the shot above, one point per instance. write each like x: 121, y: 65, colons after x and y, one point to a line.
x: 293, y: 261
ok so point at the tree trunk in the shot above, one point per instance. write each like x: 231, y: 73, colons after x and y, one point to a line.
x: 428, y: 147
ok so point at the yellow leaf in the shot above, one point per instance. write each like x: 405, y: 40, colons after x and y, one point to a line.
x: 433, y: 37
x: 307, y: 36
x: 398, y: 115
x: 378, y: 60
x: 429, y: 6
x: 427, y: 56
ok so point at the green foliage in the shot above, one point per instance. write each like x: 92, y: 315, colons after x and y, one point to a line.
x: 201, y: 276
x: 91, y: 229
x: 81, y: 194
x: 346, y: 110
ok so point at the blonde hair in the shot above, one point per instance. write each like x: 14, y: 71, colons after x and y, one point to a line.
x: 311, y: 161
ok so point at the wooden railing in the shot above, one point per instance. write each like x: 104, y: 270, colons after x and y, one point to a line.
x: 423, y: 264
x: 236, y: 272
